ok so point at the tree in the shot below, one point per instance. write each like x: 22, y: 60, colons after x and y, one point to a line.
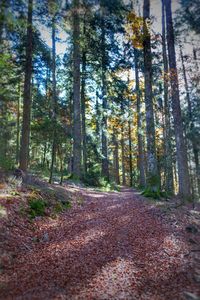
x: 105, y: 168
x: 152, y: 176
x: 54, y: 96
x: 167, y: 126
x: 190, y: 116
x: 181, y: 153
x: 24, y: 149
x: 77, y: 135
x: 141, y: 159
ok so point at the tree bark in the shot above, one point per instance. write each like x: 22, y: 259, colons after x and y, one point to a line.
x: 153, y: 176
x: 116, y: 157
x: 142, y: 181
x: 194, y: 146
x: 181, y: 153
x: 18, y: 125
x: 77, y: 135
x: 169, y: 185
x: 123, y: 147
x: 24, y: 149
x: 105, y: 166
x: 83, y: 113
x: 54, y: 115
x: 130, y: 153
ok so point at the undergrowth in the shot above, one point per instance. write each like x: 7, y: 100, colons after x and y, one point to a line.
x: 46, y: 202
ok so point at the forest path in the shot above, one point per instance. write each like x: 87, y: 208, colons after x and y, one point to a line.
x: 114, y: 246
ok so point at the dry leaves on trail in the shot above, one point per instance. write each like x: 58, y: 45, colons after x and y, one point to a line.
x: 115, y: 246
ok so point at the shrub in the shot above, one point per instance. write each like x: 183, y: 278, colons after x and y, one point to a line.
x: 37, y: 207
x: 61, y: 206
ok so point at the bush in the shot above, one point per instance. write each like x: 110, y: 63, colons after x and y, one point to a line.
x: 61, y: 206
x: 37, y: 207
x: 93, y: 176
x: 151, y: 194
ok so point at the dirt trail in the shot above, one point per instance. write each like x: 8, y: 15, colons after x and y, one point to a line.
x: 114, y: 246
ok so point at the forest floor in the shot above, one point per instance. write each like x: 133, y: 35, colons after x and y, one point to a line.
x: 111, y: 245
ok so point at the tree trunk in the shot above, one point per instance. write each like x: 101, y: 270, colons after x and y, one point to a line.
x: 123, y: 148
x: 183, y: 174
x: 169, y: 185
x: 83, y: 113
x: 194, y: 146
x: 18, y: 125
x: 105, y: 167
x: 130, y: 153
x: 116, y: 157
x: 98, y: 117
x: 24, y: 150
x: 54, y: 116
x: 153, y: 176
x: 77, y: 135
x: 139, y: 125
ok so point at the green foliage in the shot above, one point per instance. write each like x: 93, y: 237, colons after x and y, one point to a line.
x: 108, y: 185
x: 93, y: 176
x: 61, y: 206
x: 153, y: 182
x: 36, y: 207
x: 6, y: 163
x: 151, y: 194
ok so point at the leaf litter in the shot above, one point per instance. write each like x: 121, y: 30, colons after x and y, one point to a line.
x: 114, y: 246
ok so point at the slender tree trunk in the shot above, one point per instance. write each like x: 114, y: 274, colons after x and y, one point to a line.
x: 139, y: 125
x: 183, y: 174
x: 123, y: 149
x: 83, y: 113
x: 24, y: 149
x: 44, y: 154
x: 194, y: 146
x: 61, y: 169
x: 98, y: 117
x: 105, y: 167
x: 167, y: 124
x: 18, y: 125
x: 77, y: 135
x: 153, y: 176
x: 116, y: 156
x: 195, y: 58
x: 130, y: 153
x: 54, y: 117
x: 70, y: 161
